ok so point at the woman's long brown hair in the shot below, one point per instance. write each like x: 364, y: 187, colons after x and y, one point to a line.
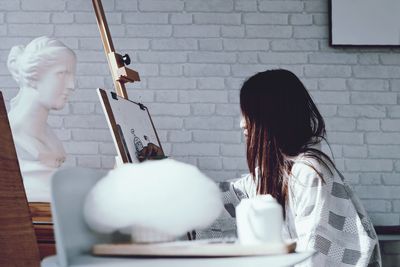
x: 282, y: 122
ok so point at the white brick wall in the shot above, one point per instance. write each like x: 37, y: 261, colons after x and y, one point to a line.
x: 193, y: 56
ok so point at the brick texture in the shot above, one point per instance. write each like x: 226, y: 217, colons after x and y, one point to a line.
x: 193, y: 57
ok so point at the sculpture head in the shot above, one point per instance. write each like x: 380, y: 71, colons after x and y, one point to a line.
x: 45, y: 66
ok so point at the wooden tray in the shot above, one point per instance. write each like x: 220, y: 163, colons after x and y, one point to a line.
x: 192, y: 249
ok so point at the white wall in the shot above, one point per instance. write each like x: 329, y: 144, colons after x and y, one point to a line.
x: 193, y: 56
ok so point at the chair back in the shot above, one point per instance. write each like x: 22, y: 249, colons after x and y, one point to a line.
x: 18, y: 245
x: 73, y: 237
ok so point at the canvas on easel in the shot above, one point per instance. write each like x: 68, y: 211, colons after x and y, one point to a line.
x: 132, y: 128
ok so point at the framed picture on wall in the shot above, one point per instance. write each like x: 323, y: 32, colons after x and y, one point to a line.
x: 364, y: 22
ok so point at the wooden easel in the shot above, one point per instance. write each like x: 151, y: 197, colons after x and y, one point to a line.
x: 120, y: 74
x: 116, y: 62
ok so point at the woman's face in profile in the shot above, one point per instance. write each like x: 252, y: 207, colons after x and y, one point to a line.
x: 56, y: 83
x: 243, y: 126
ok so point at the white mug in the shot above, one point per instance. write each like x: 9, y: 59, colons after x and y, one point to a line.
x: 259, y: 220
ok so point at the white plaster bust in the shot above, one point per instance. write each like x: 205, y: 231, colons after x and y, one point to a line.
x: 44, y: 71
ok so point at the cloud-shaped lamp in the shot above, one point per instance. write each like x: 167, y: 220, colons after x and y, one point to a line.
x: 154, y: 200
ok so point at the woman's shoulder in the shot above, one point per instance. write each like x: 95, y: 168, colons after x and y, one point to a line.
x: 309, y: 170
x: 246, y: 185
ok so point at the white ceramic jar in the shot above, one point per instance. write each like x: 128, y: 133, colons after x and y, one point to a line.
x: 259, y: 220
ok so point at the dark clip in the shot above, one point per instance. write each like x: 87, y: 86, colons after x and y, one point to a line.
x: 142, y: 107
x: 114, y: 95
x: 126, y: 59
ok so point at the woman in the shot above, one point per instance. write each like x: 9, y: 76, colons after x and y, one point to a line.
x: 283, y: 130
x: 44, y: 71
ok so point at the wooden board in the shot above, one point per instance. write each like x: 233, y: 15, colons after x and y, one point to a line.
x: 43, y: 226
x: 40, y: 212
x: 192, y: 249
x: 45, y: 238
x: 17, y: 238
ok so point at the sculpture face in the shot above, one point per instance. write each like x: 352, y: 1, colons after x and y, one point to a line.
x: 56, y: 83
